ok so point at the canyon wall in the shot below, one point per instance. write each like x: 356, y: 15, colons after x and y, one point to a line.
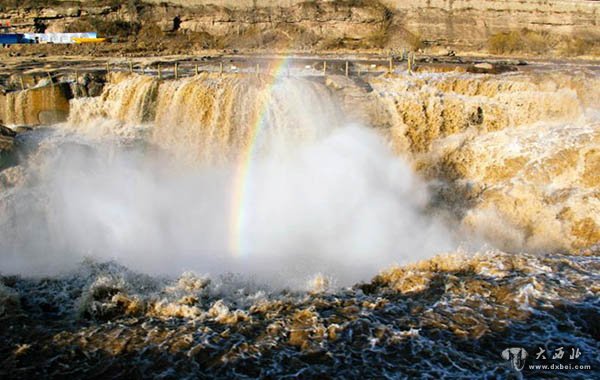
x: 466, y: 21
x: 326, y: 25
x: 469, y: 21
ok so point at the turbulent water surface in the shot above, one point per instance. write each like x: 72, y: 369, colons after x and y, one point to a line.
x: 233, y: 226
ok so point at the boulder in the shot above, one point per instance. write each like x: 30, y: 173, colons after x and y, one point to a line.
x: 5, y: 131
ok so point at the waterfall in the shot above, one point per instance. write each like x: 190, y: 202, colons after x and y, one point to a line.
x: 209, y: 118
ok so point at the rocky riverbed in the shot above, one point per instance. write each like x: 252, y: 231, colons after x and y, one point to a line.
x: 448, y: 317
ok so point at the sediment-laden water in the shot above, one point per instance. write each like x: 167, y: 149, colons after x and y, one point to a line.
x: 231, y: 226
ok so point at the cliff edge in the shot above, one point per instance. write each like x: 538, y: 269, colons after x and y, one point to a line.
x: 549, y: 28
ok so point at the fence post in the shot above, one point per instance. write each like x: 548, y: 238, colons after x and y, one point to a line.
x: 50, y: 78
x: 176, y: 70
x: 391, y: 69
x: 159, y: 72
x: 324, y: 67
x: 130, y: 67
x: 197, y: 71
x: 346, y: 68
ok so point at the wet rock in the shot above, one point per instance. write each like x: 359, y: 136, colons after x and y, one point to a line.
x: 333, y: 331
x: 10, y: 302
x: 182, y: 343
x: 196, y: 350
x: 458, y: 322
x: 316, y: 357
x: 7, y: 139
x: 299, y: 337
x: 7, y: 132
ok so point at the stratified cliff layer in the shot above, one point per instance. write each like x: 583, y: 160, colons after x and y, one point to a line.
x: 540, y: 27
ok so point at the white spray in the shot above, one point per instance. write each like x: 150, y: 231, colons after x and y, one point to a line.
x: 340, y: 204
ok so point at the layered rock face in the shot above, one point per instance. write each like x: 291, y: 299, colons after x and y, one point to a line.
x: 295, y: 24
x: 467, y: 22
x: 470, y: 22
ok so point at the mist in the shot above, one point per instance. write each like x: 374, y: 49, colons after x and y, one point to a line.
x: 343, y: 206
x: 323, y: 196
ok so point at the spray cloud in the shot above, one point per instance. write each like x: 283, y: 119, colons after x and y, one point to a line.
x: 338, y: 203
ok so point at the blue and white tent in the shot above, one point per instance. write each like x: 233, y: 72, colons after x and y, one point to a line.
x: 58, y: 38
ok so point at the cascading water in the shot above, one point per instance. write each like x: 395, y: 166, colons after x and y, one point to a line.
x: 261, y: 176
x: 208, y: 227
x: 209, y: 118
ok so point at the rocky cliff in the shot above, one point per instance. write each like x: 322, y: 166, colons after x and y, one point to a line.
x: 568, y: 27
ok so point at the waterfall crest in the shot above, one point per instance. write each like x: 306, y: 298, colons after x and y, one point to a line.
x: 209, y: 117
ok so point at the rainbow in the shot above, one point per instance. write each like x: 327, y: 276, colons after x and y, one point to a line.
x: 243, y: 169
